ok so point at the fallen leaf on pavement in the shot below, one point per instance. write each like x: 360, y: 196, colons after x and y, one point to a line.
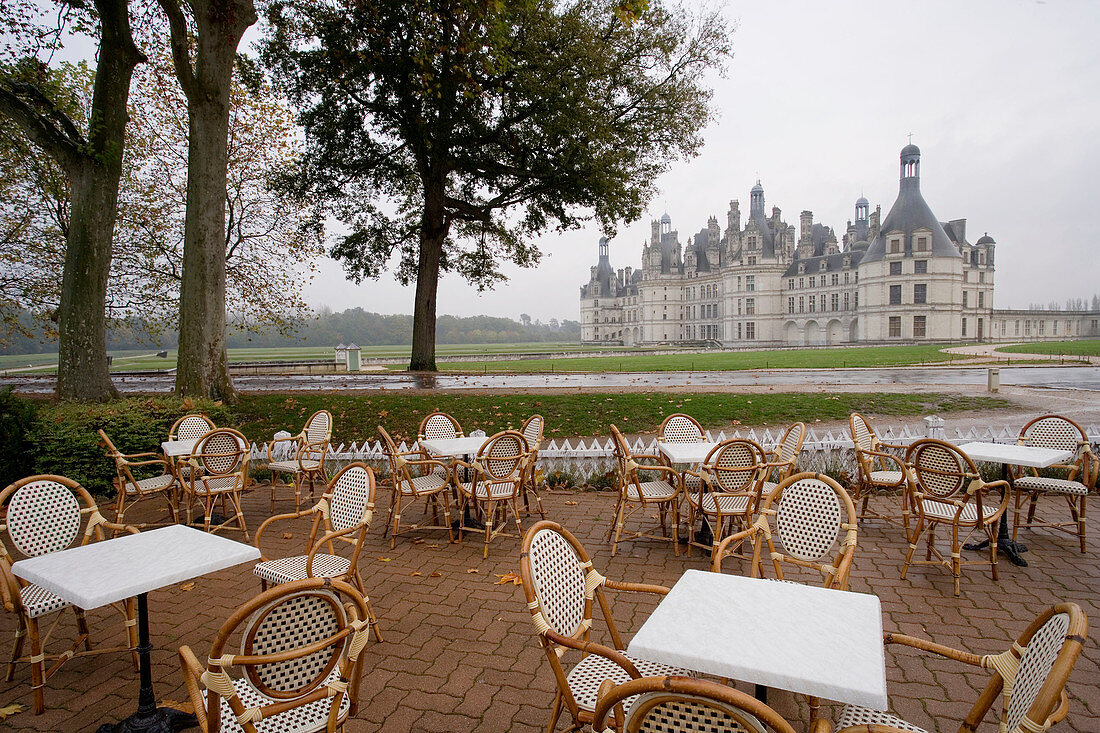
x: 508, y: 578
x: 433, y: 547
x: 385, y: 559
x: 415, y: 574
x: 471, y: 570
x: 570, y: 503
x: 436, y: 574
x: 288, y: 535
x: 10, y: 709
x: 187, y: 586
x: 418, y: 541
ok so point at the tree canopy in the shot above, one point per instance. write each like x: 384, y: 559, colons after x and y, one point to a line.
x: 446, y: 134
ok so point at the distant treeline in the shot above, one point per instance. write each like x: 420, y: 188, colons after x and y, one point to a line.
x: 328, y: 329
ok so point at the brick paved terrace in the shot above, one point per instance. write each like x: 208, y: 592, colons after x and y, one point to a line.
x: 460, y: 654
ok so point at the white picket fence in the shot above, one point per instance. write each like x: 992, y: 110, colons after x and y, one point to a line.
x: 829, y: 452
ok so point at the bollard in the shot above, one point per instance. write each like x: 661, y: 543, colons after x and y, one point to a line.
x: 993, y: 379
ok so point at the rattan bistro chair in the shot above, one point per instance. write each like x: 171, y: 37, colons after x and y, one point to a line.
x: 532, y: 430
x: 131, y: 490
x: 308, y: 464
x: 878, y: 471
x: 495, y: 481
x: 638, y: 496
x: 188, y: 427
x: 343, y: 515
x: 784, y: 457
x: 947, y: 489
x: 438, y: 425
x: 299, y: 661
x: 561, y: 589
x: 1079, y: 475
x: 1030, y: 678
x: 729, y: 490
x: 806, y: 520
x: 219, y: 473
x: 46, y: 514
x: 430, y: 485
x: 684, y: 705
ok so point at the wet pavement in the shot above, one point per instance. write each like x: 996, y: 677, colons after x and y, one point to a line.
x: 1055, y: 377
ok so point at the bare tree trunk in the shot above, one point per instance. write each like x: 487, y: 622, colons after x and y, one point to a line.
x: 433, y: 230
x: 203, y: 370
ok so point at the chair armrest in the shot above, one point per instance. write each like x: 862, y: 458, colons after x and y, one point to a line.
x: 317, y: 546
x: 635, y: 587
x: 662, y: 469
x: 271, y: 444
x: 147, y: 454
x: 648, y: 457
x: 720, y: 553
x: 884, y: 456
x: 192, y: 672
x: 890, y: 637
x: 151, y: 462
x: 422, y: 462
x: 119, y: 527
x: 269, y: 520
x: 9, y: 587
x: 893, y: 446
x: 592, y: 647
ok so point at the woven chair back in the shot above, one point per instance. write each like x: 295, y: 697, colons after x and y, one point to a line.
x: 735, y: 466
x: 44, y: 514
x: 439, y: 426
x: 532, y: 431
x: 190, y: 427
x: 680, y: 428
x: 398, y: 472
x: 554, y: 562
x: 686, y: 705
x: 352, y: 501
x: 941, y: 470
x: 624, y: 460
x: 1050, y: 645
x: 504, y: 455
x: 318, y: 428
x: 812, y: 511
x: 220, y: 452
x: 791, y: 444
x: 1054, y: 432
x: 862, y: 435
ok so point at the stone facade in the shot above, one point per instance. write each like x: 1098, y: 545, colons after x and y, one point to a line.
x: 766, y: 283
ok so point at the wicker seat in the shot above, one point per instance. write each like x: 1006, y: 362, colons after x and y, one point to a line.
x: 784, y: 456
x: 46, y: 514
x: 131, y: 489
x: 532, y: 430
x: 683, y: 705
x: 430, y: 486
x: 1079, y: 475
x: 308, y: 464
x: 807, y: 519
x: 496, y: 479
x: 730, y: 481
x: 878, y: 471
x: 946, y: 488
x: 638, y: 496
x: 561, y: 588
x: 219, y: 473
x: 1030, y: 678
x: 299, y: 660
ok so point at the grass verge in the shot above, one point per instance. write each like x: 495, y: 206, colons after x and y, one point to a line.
x: 1056, y: 348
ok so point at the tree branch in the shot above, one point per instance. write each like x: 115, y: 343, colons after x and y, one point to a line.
x: 40, y: 130
x: 181, y: 48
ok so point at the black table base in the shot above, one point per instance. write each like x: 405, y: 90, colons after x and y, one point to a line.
x: 1005, y: 544
x: 149, y: 717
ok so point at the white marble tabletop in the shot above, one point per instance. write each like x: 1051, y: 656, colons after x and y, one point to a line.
x: 807, y: 639
x: 450, y: 447
x: 1015, y: 455
x: 686, y: 452
x: 177, y: 448
x: 111, y: 570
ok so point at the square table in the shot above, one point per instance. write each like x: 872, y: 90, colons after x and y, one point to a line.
x: 454, y: 447
x: 178, y: 448
x: 99, y: 573
x: 1017, y: 455
x: 816, y: 641
x: 695, y: 452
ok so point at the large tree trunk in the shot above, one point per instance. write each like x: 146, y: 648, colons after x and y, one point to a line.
x: 433, y: 230
x: 203, y: 370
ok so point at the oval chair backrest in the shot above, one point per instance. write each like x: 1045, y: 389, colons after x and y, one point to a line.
x: 809, y: 517
x: 680, y: 429
x: 192, y: 427
x: 1053, y: 432
x: 389, y: 448
x: 219, y: 452
x: 352, y: 500
x: 558, y: 580
x: 439, y: 426
x: 532, y: 431
x: 862, y: 435
x: 664, y: 712
x: 941, y: 469
x: 43, y: 517
x: 319, y: 427
x: 1035, y: 665
x: 791, y: 443
x: 620, y: 451
x: 735, y: 465
x: 503, y: 455
x: 289, y: 623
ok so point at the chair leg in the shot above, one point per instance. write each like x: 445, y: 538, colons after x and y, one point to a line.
x: 676, y: 528
x: 490, y: 510
x: 1016, y: 514
x: 17, y: 651
x: 373, y: 620
x: 447, y: 514
x: 618, y: 528
x: 38, y: 667
x: 395, y: 512
x: 913, y: 540
x: 555, y: 713
x: 128, y: 607
x: 1081, y: 524
x: 82, y: 627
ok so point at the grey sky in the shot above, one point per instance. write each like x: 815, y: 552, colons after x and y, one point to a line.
x: 819, y: 99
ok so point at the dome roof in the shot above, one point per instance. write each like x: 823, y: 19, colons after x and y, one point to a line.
x: 863, y: 201
x: 757, y: 188
x: 986, y: 239
x: 910, y: 149
x: 666, y: 219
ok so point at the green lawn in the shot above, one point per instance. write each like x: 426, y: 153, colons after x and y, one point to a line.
x: 866, y: 356
x: 1057, y: 348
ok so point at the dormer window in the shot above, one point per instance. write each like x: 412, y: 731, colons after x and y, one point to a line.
x: 922, y: 244
x: 824, y: 265
x: 894, y: 246
x: 802, y: 268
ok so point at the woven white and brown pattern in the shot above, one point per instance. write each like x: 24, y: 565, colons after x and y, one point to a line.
x: 42, y: 515
x: 151, y: 484
x: 558, y: 580
x: 132, y: 489
x: 496, y: 482
x: 439, y: 425
x: 1072, y: 481
x: 946, y: 488
x: 309, y: 448
x: 294, y: 568
x: 222, y: 459
x: 589, y: 673
x: 879, y: 470
x: 532, y: 430
x: 680, y: 428
x: 854, y: 716
x: 733, y: 476
x: 305, y: 719
x: 431, y: 487
x: 644, y: 486
x: 190, y: 427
